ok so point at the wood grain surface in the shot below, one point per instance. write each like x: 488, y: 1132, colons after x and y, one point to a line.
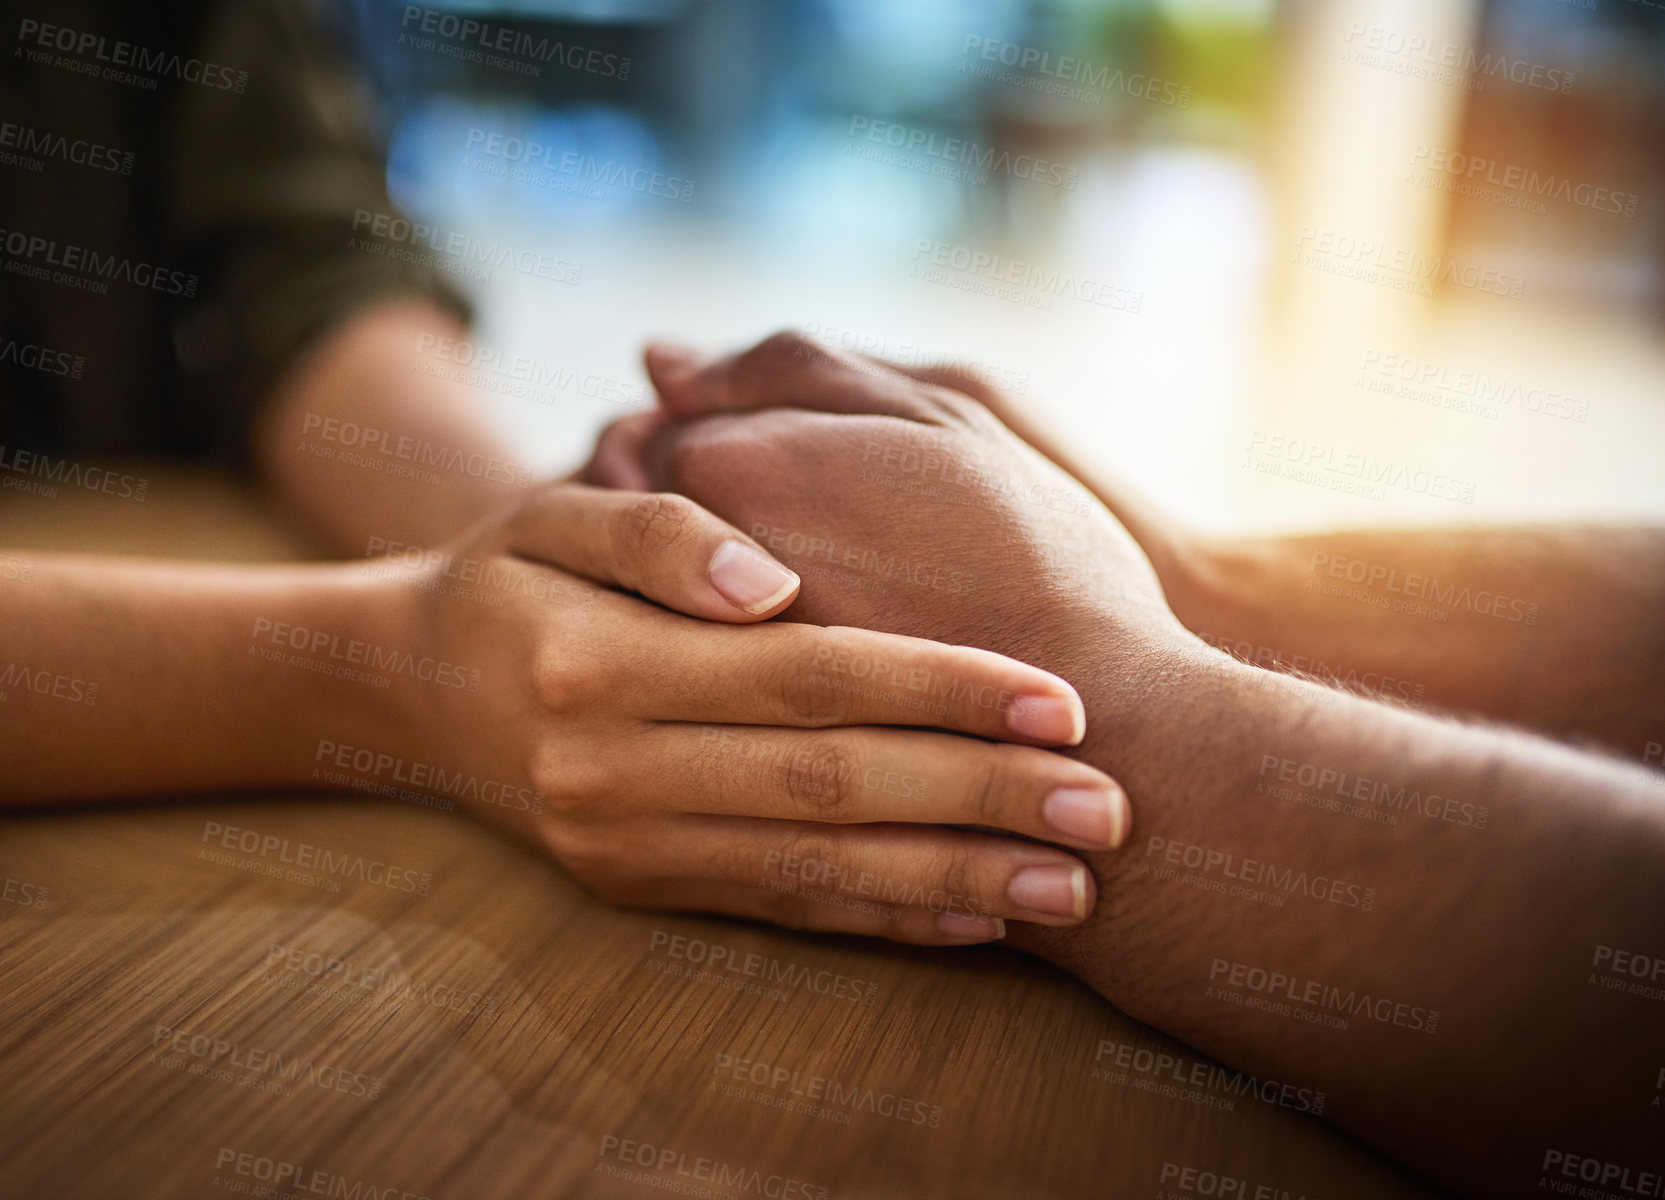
x: 451, y: 1017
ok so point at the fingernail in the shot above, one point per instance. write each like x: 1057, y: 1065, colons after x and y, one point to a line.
x: 1055, y: 719
x: 962, y: 926
x: 749, y: 580
x: 1057, y: 891
x: 1096, y: 815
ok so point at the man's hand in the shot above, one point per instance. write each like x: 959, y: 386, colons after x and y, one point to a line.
x: 1331, y: 894
x: 906, y: 504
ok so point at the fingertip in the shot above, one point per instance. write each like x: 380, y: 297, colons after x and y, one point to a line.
x: 670, y: 365
x: 1056, y: 718
x: 750, y: 580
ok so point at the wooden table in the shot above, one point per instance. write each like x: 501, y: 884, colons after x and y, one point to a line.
x: 454, y: 1018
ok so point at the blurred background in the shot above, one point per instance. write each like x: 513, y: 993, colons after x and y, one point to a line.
x: 1279, y: 264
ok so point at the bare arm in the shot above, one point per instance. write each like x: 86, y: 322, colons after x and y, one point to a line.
x: 364, y: 440
x: 1560, y: 629
x: 1425, y: 921
x: 122, y: 677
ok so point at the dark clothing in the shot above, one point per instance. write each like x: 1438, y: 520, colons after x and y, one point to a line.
x: 178, y: 186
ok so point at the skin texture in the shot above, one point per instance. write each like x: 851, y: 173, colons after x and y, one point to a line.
x: 580, y: 655
x: 1500, y: 866
x: 1555, y: 628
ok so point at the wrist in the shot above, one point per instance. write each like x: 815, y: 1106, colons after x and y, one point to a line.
x: 358, y: 620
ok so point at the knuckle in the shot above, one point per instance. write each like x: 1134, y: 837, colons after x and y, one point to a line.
x: 960, y: 877
x: 808, y: 845
x: 823, y: 782
x: 778, y: 355
x: 784, y: 349
x: 577, y: 848
x: 655, y: 523
x: 985, y: 792
x: 809, y: 698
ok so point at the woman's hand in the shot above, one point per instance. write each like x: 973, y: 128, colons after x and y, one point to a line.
x: 606, y: 660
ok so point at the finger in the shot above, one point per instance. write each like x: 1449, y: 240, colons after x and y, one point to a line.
x: 618, y: 459
x: 914, y: 926
x: 661, y: 545
x: 866, y: 774
x: 884, y: 867
x: 787, y: 370
x: 806, y: 675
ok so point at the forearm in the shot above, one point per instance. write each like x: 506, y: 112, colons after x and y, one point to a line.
x: 127, y: 677
x: 1559, y: 630
x: 1297, y: 851
x: 373, y: 435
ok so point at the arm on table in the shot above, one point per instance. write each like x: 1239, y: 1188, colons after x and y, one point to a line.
x: 1512, y: 883
x: 1558, y: 628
